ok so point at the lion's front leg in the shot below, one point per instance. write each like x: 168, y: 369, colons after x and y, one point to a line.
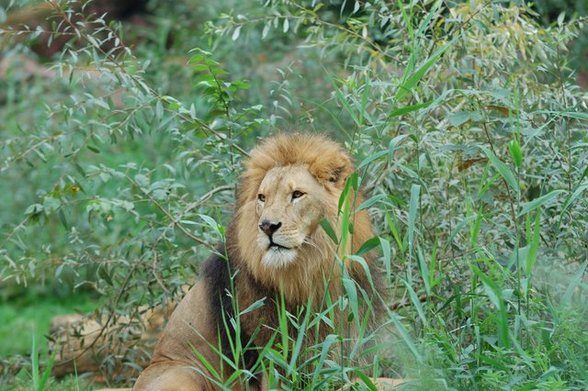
x: 175, y: 364
x: 172, y: 376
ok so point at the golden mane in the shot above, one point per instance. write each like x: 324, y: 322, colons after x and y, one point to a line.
x: 331, y: 165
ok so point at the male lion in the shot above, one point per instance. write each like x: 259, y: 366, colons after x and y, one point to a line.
x: 275, y: 249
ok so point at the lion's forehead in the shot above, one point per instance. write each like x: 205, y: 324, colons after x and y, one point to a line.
x: 287, y: 179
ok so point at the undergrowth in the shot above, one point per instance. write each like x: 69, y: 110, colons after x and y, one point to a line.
x: 470, y: 139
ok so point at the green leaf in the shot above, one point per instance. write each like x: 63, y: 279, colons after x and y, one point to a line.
x: 537, y: 202
x: 409, y: 109
x: 329, y: 230
x: 371, y: 158
x: 351, y: 292
x: 236, y: 33
x: 47, y: 371
x: 341, y: 98
x: 515, y: 152
x: 301, y: 330
x: 103, y: 273
x: 369, y: 245
x: 461, y: 117
x: 159, y: 110
x: 326, y: 344
x: 212, y: 223
x: 265, y: 31
x: 409, y: 83
x: 502, y: 169
x: 258, y: 304
x: 387, y: 254
x: 361, y: 261
x: 93, y: 149
x: 372, y: 201
x: 35, y: 363
x: 424, y: 269
x: 63, y: 219
x: 351, y: 183
x: 34, y: 209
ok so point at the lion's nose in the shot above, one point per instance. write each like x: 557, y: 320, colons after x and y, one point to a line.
x: 268, y: 227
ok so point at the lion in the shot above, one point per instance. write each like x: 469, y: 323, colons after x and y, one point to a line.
x: 275, y: 252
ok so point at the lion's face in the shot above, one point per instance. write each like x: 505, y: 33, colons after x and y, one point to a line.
x: 289, y: 207
x: 290, y: 183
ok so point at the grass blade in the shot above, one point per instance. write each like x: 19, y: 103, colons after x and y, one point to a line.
x: 35, y: 363
x: 387, y: 254
x: 534, y: 245
x: 416, y: 302
x: 47, y: 371
x: 412, y: 213
x: 406, y: 337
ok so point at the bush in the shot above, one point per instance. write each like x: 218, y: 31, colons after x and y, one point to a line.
x: 470, y: 137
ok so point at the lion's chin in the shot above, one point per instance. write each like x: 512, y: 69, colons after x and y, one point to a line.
x: 277, y: 258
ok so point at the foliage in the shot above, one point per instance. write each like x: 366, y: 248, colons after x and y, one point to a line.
x: 470, y: 137
x: 550, y: 11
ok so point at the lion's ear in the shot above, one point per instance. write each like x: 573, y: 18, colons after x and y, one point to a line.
x: 332, y: 170
x: 336, y: 174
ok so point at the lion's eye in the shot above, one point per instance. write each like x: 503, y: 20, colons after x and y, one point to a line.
x: 297, y: 194
x: 261, y: 197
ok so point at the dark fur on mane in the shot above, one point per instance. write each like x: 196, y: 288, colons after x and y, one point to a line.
x: 216, y: 273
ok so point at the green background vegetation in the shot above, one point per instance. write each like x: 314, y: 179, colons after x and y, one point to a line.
x: 119, y: 153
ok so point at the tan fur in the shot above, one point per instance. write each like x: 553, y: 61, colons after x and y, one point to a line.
x: 318, y: 168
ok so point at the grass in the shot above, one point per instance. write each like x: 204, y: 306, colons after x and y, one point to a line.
x: 23, y: 383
